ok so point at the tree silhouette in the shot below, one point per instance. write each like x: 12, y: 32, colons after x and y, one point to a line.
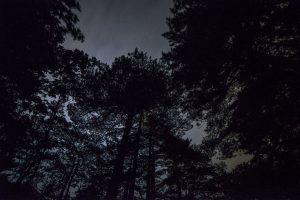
x: 72, y: 127
x: 136, y: 85
x: 237, y: 62
x: 32, y: 33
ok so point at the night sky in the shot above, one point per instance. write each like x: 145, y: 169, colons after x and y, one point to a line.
x: 116, y: 27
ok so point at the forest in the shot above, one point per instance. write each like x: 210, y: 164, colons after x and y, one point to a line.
x: 73, y: 127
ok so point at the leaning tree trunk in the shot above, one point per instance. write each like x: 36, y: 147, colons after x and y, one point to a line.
x: 135, y: 159
x: 150, y: 193
x: 119, y: 161
x: 74, y: 172
x: 68, y: 178
x: 26, y: 171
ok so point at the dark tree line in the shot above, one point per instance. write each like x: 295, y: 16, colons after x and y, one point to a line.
x: 72, y: 127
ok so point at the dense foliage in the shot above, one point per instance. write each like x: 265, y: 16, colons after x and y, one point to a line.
x: 72, y: 127
x: 238, y: 64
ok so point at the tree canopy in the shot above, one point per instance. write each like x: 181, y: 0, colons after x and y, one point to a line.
x: 238, y: 62
x: 72, y: 127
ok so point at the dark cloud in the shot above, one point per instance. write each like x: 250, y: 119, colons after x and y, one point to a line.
x: 116, y: 27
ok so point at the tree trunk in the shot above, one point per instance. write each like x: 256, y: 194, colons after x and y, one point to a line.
x: 26, y: 171
x: 74, y: 172
x: 119, y: 161
x: 150, y: 193
x: 178, y: 181
x: 126, y: 191
x: 135, y: 159
x: 179, y: 190
x: 67, y: 180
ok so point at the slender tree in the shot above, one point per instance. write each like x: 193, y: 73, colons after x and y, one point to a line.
x: 128, y: 74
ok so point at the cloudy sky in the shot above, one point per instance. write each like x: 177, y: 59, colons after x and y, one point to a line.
x: 116, y: 27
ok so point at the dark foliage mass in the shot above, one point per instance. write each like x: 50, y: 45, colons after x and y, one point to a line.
x: 72, y: 127
x: 238, y: 65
